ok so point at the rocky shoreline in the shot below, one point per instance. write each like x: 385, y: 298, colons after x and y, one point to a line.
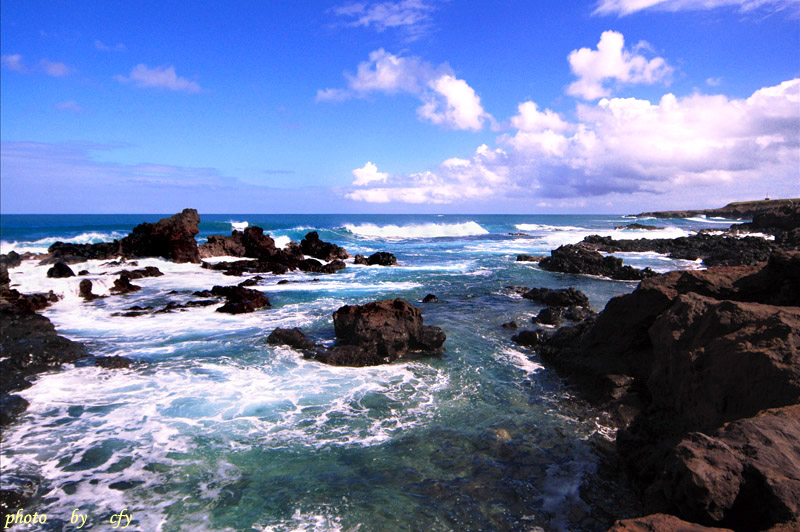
x: 700, y: 373
x: 698, y: 370
x: 734, y: 211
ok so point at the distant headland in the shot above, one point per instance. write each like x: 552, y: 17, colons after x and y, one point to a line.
x: 735, y: 210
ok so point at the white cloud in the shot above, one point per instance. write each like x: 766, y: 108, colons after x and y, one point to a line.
x: 626, y: 7
x: 368, y: 174
x: 453, y: 104
x: 162, y: 77
x: 119, y: 47
x: 678, y: 146
x: 52, y: 68
x: 412, y: 16
x: 70, y: 105
x: 446, y: 100
x: 612, y: 62
x: 13, y: 62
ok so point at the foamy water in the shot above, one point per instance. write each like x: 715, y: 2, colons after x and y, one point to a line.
x: 400, y: 232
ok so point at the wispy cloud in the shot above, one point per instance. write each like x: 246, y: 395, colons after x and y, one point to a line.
x: 119, y: 47
x: 411, y: 16
x: 161, y: 77
x: 627, y: 7
x: 446, y: 100
x: 54, y: 69
x: 70, y: 105
x: 13, y: 62
x: 612, y: 62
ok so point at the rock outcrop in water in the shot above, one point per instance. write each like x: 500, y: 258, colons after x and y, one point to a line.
x: 736, y: 210
x: 367, y: 335
x: 380, y: 258
x: 701, y: 371
x: 171, y: 238
x: 312, y: 246
x: 571, y: 258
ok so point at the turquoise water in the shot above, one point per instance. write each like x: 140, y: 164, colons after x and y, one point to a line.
x: 215, y: 430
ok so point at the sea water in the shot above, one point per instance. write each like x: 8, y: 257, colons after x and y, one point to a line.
x: 215, y: 430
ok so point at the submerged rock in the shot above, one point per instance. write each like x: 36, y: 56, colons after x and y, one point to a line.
x: 291, y: 337
x: 123, y: 285
x: 113, y: 362
x: 430, y: 298
x: 562, y: 297
x: 85, y: 290
x: 240, y: 300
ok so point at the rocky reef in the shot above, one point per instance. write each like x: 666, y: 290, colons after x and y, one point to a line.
x: 700, y: 371
x: 367, y: 335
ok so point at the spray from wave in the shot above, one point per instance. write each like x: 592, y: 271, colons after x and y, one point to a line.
x: 404, y: 232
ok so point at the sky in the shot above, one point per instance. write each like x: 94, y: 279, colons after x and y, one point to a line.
x: 399, y: 106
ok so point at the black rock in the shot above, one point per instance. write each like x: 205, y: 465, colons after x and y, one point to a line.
x: 60, y: 270
x: 430, y: 298
x: 291, y: 337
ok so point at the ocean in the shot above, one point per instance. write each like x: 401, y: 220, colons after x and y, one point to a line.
x: 215, y: 430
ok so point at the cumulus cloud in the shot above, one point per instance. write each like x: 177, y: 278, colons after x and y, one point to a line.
x: 13, y: 62
x: 119, y: 47
x: 161, y: 77
x: 52, y: 68
x: 446, y: 100
x: 612, y: 62
x: 368, y: 174
x: 626, y: 7
x: 624, y: 146
x: 412, y: 16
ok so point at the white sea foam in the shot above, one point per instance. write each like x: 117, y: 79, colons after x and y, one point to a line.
x: 239, y: 226
x: 521, y: 360
x: 41, y: 245
x: 403, y: 232
x: 281, y: 241
x: 704, y: 219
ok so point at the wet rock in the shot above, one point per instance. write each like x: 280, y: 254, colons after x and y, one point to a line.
x: 123, y: 285
x: 333, y: 266
x: 11, y: 407
x: 530, y: 338
x: 113, y: 362
x: 382, y: 258
x: 72, y: 253
x: 529, y: 258
x: 240, y: 300
x: 291, y: 337
x: 562, y: 297
x: 430, y: 298
x: 661, y: 523
x: 149, y: 271
x: 638, y: 227
x: 172, y: 238
x: 511, y: 325
x: 60, y: 270
x: 576, y: 313
x: 83, y: 272
x: 223, y: 246
x: 550, y: 316
x: 241, y: 267
x: 360, y: 259
x: 85, y: 290
x: 576, y: 259
x: 12, y: 259
x: 311, y: 245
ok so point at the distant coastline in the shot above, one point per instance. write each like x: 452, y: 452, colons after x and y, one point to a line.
x: 735, y: 210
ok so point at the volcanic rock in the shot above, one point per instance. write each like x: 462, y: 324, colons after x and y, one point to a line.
x: 571, y: 258
x: 85, y: 290
x: 113, y: 362
x: 123, y: 285
x: 60, y: 270
x: 291, y: 337
x: 240, y: 300
x: 149, y: 271
x: 171, y: 238
x: 311, y: 245
x: 430, y: 298
x: 562, y: 297
x: 661, y: 523
x: 550, y: 316
x: 529, y: 258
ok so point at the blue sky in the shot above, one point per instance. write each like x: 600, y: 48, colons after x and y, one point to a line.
x: 400, y: 106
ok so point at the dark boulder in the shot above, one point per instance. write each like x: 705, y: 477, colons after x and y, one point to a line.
x: 72, y: 253
x: 571, y: 258
x: 291, y: 337
x: 240, y: 300
x: 122, y: 285
x: 223, y: 246
x: 11, y: 407
x: 529, y: 258
x: 360, y: 259
x: 382, y: 258
x: 85, y: 290
x: 511, y: 325
x: 149, y: 271
x: 171, y: 238
x: 60, y: 270
x: 550, y: 316
x: 312, y: 246
x: 530, y: 338
x: 661, y: 523
x: 333, y: 266
x: 430, y: 298
x: 12, y: 259
x: 562, y: 297
x: 113, y: 362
